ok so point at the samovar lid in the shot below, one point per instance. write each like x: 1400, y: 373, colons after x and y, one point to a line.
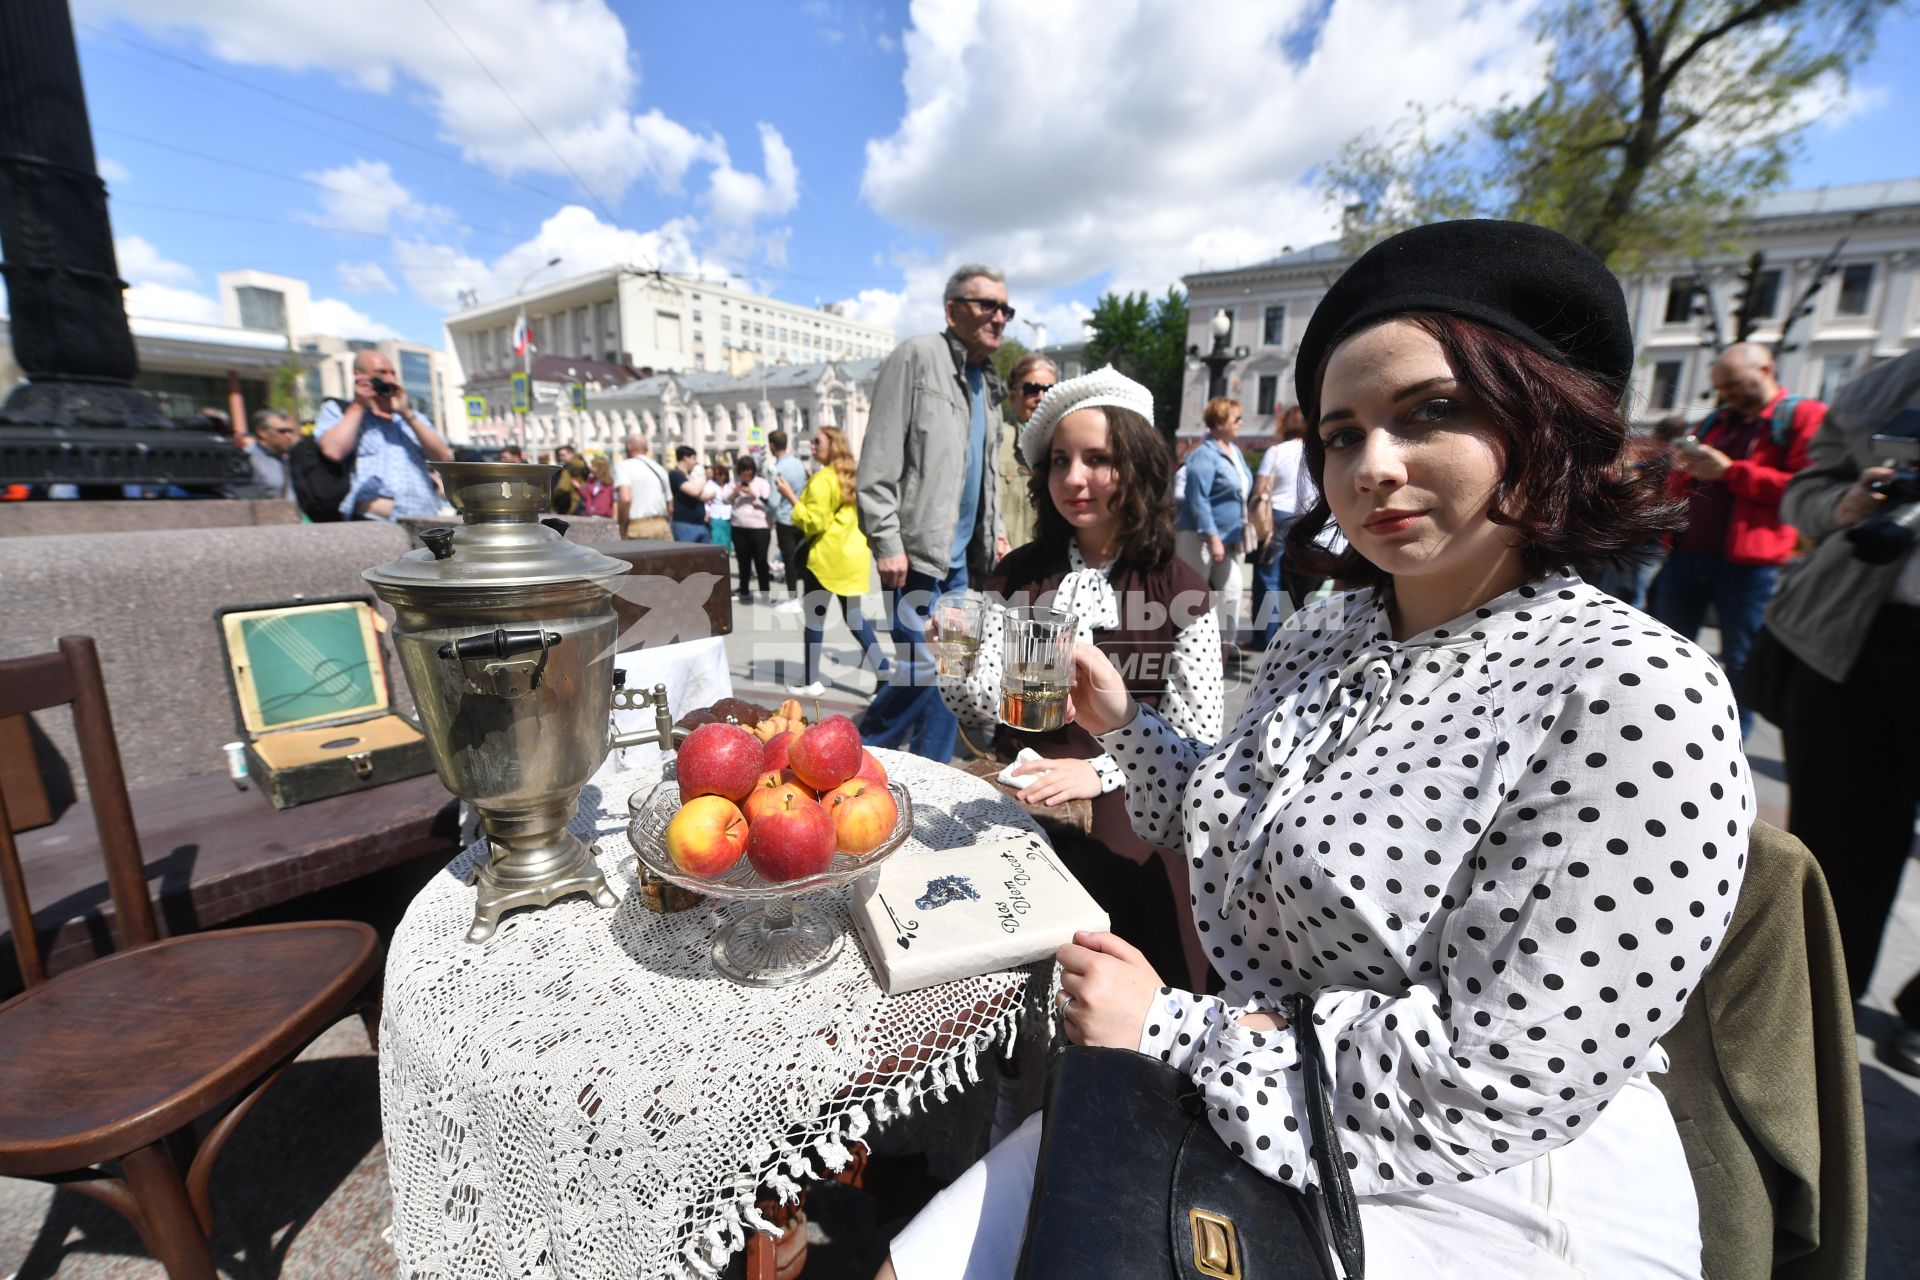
x: 502, y: 542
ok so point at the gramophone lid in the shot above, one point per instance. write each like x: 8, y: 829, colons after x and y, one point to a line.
x: 502, y: 542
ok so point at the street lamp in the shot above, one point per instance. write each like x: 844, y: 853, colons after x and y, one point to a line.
x: 526, y: 344
x: 1217, y: 359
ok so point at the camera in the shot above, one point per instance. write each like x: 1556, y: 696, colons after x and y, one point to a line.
x: 1885, y: 538
x: 383, y: 386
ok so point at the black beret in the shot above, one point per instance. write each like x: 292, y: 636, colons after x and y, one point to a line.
x: 1550, y: 292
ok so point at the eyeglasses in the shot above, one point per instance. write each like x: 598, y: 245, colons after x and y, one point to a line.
x: 1035, y: 388
x: 989, y: 305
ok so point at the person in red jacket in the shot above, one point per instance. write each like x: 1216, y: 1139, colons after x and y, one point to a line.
x: 1732, y: 475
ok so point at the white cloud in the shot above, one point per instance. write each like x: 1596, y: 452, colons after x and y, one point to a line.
x: 363, y: 197
x: 739, y: 199
x: 875, y: 306
x: 164, y: 302
x: 1137, y: 168
x: 438, y: 273
x: 567, y: 63
x: 341, y: 320
x: 365, y: 277
x: 113, y: 171
x: 141, y: 263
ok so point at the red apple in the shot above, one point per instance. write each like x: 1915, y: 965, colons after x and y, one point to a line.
x: 863, y: 815
x: 719, y: 760
x: 791, y: 840
x: 770, y: 791
x: 775, y: 755
x: 826, y: 754
x: 871, y: 769
x: 707, y: 836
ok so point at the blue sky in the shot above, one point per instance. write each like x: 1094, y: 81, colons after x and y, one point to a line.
x: 820, y: 151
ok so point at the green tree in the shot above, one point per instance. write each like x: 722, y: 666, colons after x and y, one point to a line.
x: 287, y: 392
x: 1147, y: 341
x: 1007, y: 356
x: 1660, y: 121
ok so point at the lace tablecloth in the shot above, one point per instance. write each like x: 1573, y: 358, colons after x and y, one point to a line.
x: 583, y: 1096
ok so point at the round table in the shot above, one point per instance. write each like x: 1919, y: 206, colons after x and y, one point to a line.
x: 582, y: 1095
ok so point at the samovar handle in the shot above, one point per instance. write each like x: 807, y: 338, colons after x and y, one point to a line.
x: 506, y: 664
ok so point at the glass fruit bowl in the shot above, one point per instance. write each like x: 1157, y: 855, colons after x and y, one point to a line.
x: 782, y: 942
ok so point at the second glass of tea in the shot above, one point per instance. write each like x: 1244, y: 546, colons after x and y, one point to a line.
x: 1038, y: 651
x: 957, y: 619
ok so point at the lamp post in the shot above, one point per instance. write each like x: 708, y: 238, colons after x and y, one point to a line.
x: 1220, y: 356
x: 526, y: 346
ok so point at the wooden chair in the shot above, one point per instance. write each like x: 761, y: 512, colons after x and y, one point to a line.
x: 115, y: 1061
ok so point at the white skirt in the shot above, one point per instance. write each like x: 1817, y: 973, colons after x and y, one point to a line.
x: 1616, y: 1204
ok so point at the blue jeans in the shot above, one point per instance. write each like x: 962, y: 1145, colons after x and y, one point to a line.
x: 1690, y: 581
x: 907, y: 713
x: 687, y: 531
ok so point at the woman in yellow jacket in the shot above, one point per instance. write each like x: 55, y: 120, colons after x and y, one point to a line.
x: 838, y: 563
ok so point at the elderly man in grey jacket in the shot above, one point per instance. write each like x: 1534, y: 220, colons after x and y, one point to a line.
x: 928, y: 502
x: 1848, y: 615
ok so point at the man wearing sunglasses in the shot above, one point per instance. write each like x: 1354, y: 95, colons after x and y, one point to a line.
x: 928, y: 495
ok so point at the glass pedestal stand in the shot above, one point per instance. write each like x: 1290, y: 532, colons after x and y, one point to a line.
x: 774, y: 940
x: 778, y: 944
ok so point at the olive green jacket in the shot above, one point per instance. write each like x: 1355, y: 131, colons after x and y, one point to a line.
x: 1765, y: 1085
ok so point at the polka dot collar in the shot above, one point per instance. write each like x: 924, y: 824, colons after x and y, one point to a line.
x: 1516, y: 605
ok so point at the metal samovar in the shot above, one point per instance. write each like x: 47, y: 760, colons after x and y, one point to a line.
x: 506, y: 633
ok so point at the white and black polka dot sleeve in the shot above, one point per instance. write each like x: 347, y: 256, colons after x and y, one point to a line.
x: 1194, y: 703
x: 1157, y: 761
x: 1501, y: 885
x: 975, y: 700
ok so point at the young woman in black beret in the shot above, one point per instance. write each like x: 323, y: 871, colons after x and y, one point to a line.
x: 1491, y: 819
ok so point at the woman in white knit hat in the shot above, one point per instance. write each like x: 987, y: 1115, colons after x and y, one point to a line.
x: 1103, y: 550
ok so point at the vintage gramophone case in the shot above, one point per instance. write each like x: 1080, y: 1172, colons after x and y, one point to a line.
x: 314, y: 699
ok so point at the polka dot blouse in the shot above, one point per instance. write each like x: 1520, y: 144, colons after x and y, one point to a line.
x: 1500, y: 854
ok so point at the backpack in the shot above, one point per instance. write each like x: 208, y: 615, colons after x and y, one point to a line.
x: 320, y: 484
x: 1779, y: 422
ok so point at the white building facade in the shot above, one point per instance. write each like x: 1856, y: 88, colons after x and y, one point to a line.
x: 649, y: 321
x: 720, y: 414
x: 1866, y: 310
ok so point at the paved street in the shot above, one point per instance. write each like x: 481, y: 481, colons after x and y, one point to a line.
x: 302, y: 1191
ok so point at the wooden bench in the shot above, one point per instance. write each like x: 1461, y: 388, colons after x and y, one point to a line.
x: 215, y: 853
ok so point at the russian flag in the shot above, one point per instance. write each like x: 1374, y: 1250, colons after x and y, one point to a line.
x: 522, y: 336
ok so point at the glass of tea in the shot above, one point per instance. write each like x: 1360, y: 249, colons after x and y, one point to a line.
x: 1038, y: 667
x: 957, y: 619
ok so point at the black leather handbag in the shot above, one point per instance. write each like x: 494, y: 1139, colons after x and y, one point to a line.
x: 1132, y: 1181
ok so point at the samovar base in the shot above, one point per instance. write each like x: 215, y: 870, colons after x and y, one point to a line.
x: 499, y: 890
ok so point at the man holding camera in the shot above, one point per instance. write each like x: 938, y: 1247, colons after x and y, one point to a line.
x: 388, y: 441
x: 1848, y: 616
x: 1732, y: 476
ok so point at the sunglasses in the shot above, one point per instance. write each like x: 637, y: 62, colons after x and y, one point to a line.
x: 988, y: 306
x: 1035, y: 388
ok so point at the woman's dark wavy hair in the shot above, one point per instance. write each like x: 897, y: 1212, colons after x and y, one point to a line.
x: 1142, y: 495
x: 1567, y: 490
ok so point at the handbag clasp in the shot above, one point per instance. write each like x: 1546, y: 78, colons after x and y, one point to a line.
x: 1216, y: 1246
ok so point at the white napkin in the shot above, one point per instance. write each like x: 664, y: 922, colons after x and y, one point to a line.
x: 1011, y: 775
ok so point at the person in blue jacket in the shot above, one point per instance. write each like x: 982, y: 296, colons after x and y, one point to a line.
x: 1213, y: 512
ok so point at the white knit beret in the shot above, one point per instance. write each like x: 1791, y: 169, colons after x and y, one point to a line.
x: 1104, y: 386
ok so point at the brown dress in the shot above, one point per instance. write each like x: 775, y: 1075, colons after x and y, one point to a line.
x: 1143, y: 888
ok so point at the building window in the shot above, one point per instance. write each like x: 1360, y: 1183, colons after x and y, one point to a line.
x: 264, y: 309
x: 416, y: 375
x: 1269, y: 390
x: 1680, y: 291
x: 1834, y: 372
x: 696, y: 315
x: 1856, y: 287
x: 726, y: 324
x: 1764, y: 302
x: 1274, y: 327
x: 1665, y: 393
